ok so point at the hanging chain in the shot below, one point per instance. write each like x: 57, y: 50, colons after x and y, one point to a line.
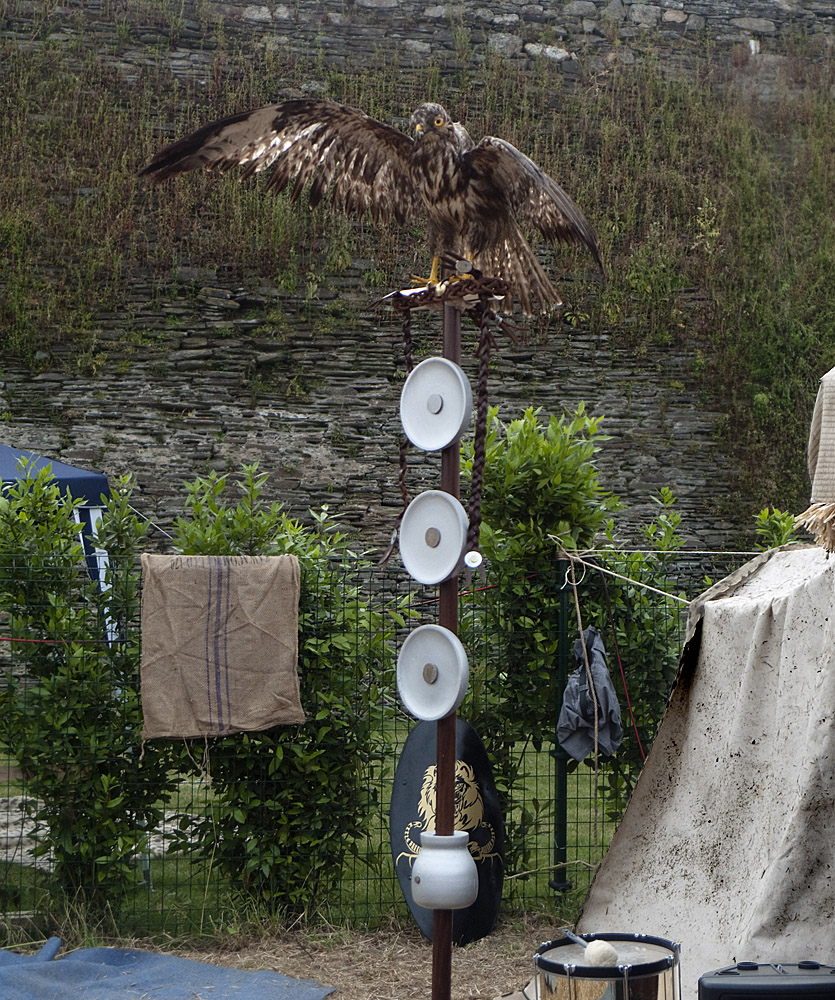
x: 404, y: 443
x: 484, y: 314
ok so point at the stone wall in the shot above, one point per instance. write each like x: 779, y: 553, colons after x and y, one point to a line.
x: 578, y: 35
x: 584, y: 30
x: 319, y: 409
x: 203, y: 381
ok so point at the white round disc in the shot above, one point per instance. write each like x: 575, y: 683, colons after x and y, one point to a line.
x: 435, y: 404
x: 432, y: 672
x: 433, y: 533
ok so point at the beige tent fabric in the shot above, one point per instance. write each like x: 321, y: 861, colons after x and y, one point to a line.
x: 819, y: 518
x: 728, y: 843
x: 219, y: 644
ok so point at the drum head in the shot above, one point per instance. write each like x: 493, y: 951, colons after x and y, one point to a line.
x: 432, y: 536
x: 646, y: 969
x: 432, y: 672
x: 638, y: 955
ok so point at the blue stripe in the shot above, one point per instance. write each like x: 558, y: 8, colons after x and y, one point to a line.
x: 208, y: 647
x: 226, y: 644
x: 222, y: 585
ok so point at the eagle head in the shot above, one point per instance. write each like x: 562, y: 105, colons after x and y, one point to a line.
x: 429, y: 119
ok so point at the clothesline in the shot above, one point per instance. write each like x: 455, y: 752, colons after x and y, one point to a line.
x: 150, y: 521
x: 626, y: 579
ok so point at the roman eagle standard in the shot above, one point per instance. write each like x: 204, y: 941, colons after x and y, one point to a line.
x: 473, y: 195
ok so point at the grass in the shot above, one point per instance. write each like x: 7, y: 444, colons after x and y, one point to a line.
x: 180, y: 896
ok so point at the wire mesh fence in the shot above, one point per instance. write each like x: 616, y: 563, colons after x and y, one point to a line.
x: 179, y: 837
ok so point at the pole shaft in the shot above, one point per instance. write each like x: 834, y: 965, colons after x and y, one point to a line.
x: 448, y: 618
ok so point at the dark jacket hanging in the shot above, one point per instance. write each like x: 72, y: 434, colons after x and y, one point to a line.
x: 575, y: 728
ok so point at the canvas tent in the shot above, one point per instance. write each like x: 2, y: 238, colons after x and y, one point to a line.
x: 79, y: 483
x: 728, y: 843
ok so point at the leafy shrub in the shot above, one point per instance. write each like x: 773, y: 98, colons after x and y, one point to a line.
x: 70, y: 712
x: 288, y: 803
x: 774, y: 528
x: 540, y: 484
x: 542, y: 492
x: 540, y: 480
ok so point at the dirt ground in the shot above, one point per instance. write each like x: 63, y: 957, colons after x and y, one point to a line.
x: 394, y: 964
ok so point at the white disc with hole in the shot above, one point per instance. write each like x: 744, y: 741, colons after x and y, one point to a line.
x: 435, y: 404
x: 432, y: 672
x: 433, y: 533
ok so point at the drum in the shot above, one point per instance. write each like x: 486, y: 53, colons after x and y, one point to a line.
x: 647, y: 968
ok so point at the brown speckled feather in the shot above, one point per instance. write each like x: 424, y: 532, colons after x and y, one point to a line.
x: 530, y: 193
x: 362, y: 163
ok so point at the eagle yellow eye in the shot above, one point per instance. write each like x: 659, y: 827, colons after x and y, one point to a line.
x: 438, y: 122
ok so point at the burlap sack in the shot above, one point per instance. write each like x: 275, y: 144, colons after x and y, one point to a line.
x: 219, y: 644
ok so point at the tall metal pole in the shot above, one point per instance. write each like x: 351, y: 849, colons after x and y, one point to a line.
x: 448, y: 618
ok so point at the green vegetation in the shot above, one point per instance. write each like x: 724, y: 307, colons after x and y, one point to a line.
x: 774, y: 527
x: 93, y: 794
x: 713, y: 209
x: 272, y: 825
x: 539, y: 481
x: 542, y: 505
x: 712, y: 205
x: 273, y: 813
x: 289, y: 803
x: 540, y: 485
x: 263, y: 827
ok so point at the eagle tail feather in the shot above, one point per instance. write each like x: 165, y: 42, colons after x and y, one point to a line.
x: 515, y: 262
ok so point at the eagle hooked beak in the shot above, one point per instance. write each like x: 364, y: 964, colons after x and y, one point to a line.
x: 419, y: 128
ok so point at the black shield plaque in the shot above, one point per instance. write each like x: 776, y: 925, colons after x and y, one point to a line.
x: 476, y: 811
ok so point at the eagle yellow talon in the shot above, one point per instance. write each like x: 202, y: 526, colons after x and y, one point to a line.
x: 433, y: 274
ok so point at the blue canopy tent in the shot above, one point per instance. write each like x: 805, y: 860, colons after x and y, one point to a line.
x: 79, y: 483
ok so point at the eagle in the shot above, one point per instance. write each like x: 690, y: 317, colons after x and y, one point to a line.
x: 473, y: 196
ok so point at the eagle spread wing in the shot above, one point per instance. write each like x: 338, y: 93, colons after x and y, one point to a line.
x: 363, y: 162
x: 473, y: 194
x: 531, y: 193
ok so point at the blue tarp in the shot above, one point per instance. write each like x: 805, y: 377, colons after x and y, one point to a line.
x: 129, y: 974
x: 80, y: 482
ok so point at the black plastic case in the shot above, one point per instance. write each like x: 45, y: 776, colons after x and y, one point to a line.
x: 806, y: 980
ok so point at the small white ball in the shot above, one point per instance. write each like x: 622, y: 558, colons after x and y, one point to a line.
x: 600, y: 953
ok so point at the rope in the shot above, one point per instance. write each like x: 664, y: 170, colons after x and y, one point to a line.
x: 485, y: 343
x: 572, y: 558
x: 620, y: 665
x: 627, y: 579
x: 404, y: 441
x: 152, y: 523
x: 404, y: 446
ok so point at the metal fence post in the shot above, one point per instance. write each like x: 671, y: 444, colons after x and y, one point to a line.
x: 560, y: 882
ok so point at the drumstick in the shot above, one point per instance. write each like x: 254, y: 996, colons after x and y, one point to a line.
x: 598, y: 952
